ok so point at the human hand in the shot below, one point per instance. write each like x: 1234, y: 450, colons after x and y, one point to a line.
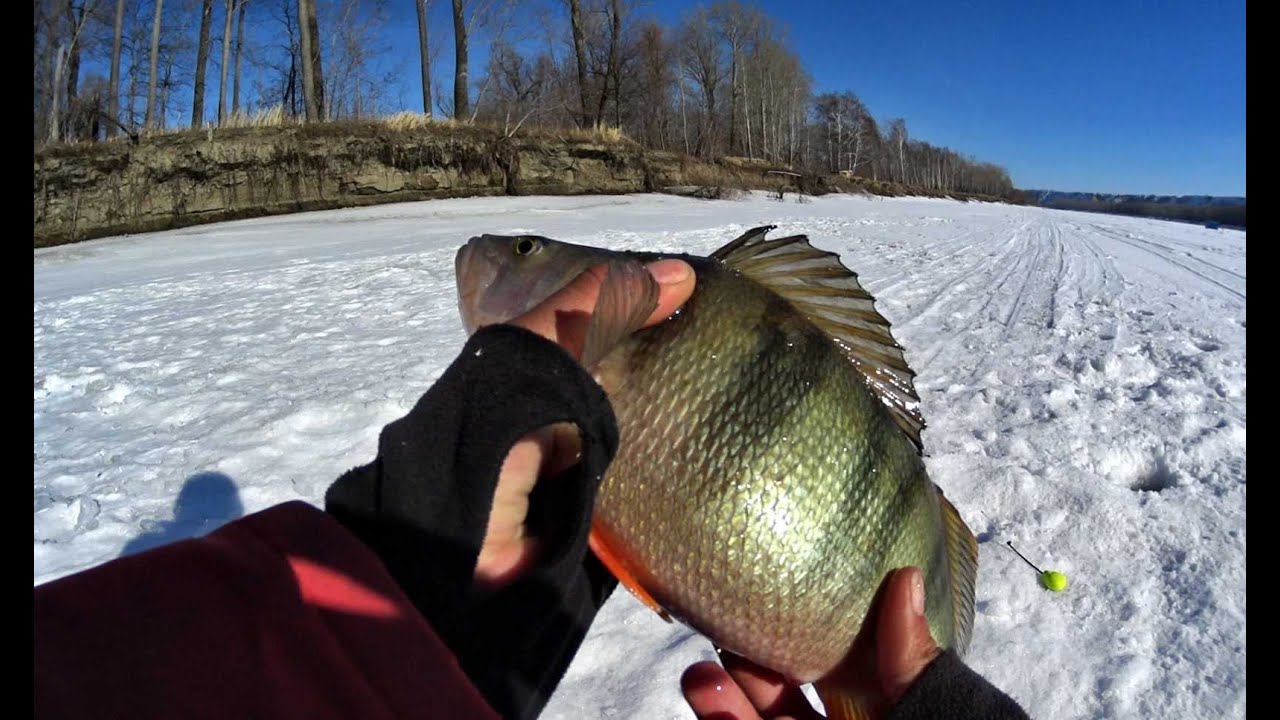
x: 562, y: 318
x: 887, y: 657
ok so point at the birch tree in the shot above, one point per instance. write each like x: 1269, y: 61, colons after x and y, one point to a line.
x: 898, y: 140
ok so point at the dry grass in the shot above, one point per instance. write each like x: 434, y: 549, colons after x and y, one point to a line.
x: 406, y: 120
x: 273, y: 116
x: 601, y: 133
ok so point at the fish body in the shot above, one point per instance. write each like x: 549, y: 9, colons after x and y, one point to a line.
x: 769, y: 473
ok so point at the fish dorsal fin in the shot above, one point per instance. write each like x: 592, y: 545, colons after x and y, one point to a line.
x: 829, y: 295
x: 962, y: 560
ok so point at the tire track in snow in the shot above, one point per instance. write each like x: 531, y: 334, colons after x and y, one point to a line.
x: 957, y: 280
x: 1009, y: 280
x: 1145, y: 245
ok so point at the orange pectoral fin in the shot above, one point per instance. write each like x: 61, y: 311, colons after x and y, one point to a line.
x: 600, y: 546
x: 842, y: 703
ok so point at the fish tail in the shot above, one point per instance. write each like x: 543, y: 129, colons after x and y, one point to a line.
x: 962, y: 562
x: 843, y: 703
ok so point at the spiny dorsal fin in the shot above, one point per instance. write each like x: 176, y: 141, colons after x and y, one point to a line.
x: 962, y: 557
x: 828, y: 293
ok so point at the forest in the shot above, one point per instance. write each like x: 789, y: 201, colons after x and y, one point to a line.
x: 723, y: 81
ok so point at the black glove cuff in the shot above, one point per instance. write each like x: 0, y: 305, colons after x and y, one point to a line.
x: 950, y: 690
x: 423, y: 506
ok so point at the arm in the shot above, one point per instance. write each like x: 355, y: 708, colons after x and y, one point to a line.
x: 282, y: 613
x: 398, y: 603
x: 514, y: 641
x: 287, y: 612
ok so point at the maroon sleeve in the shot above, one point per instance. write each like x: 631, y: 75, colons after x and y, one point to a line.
x: 280, y: 614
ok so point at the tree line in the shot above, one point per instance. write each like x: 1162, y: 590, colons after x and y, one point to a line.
x: 1229, y: 215
x: 722, y: 81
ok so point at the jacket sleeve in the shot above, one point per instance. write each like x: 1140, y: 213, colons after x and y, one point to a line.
x: 950, y: 690
x: 281, y: 614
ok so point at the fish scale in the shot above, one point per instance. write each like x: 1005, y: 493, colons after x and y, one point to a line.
x: 769, y: 472
x: 748, y: 471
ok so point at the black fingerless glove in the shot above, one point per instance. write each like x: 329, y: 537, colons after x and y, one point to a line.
x: 950, y: 690
x: 423, y: 506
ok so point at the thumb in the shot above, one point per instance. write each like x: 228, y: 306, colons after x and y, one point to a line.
x: 563, y: 317
x: 905, y: 647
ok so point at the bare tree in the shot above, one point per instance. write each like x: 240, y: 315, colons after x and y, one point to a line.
x: 279, y: 60
x: 155, y: 58
x: 46, y: 40
x: 353, y: 47
x: 461, y: 93
x: 465, y: 24
x: 113, y: 85
x: 202, y: 63
x: 898, y: 137
x: 580, y: 55
x: 733, y: 23
x: 654, y: 81
x: 846, y: 126
x: 63, y: 26
x: 135, y: 44
x: 235, y: 92
x: 424, y: 54
x: 611, y: 74
x: 77, y: 18
x: 521, y: 87
x: 312, y: 74
x: 228, y: 11
x: 702, y: 64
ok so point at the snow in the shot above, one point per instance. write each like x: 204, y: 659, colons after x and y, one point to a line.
x: 1083, y: 377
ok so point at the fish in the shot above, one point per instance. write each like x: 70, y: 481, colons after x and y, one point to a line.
x: 770, y: 467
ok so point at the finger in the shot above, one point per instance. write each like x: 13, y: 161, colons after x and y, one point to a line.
x: 905, y: 647
x: 507, y: 549
x: 566, y: 450
x: 563, y: 317
x: 713, y: 695
x: 769, y: 692
x: 675, y: 285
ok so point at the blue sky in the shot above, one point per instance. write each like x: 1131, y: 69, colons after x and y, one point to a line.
x: 1139, y: 97
x: 1126, y: 97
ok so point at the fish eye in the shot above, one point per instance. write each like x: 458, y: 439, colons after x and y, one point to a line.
x: 527, y: 246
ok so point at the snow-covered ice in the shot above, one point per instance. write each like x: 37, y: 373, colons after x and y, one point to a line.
x: 1083, y: 377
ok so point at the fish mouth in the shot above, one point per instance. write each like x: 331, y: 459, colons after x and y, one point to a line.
x: 474, y: 277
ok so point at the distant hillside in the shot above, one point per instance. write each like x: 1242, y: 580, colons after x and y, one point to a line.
x: 1048, y: 197
x: 1208, y: 209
